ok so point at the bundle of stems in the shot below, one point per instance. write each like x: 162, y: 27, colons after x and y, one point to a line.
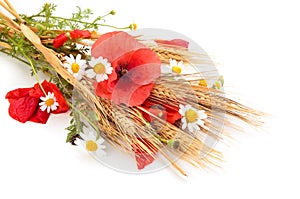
x: 124, y: 126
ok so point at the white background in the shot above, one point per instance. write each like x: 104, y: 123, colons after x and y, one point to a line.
x: 256, y: 45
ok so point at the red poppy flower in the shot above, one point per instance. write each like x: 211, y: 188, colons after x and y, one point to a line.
x: 24, y: 103
x: 142, y: 155
x: 60, y: 40
x: 83, y: 34
x: 135, y: 68
x: 174, y: 42
x: 165, y: 112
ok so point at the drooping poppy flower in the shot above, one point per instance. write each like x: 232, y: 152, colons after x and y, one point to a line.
x: 142, y: 155
x: 174, y: 42
x: 135, y: 68
x: 25, y: 103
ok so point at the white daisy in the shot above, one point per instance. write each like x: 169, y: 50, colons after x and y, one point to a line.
x: 192, y: 118
x: 176, y: 66
x: 93, y: 145
x: 49, y: 102
x: 101, y: 68
x: 75, y: 66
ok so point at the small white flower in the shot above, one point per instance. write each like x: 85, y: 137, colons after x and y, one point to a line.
x: 49, y: 102
x: 101, y: 68
x: 192, y: 117
x: 176, y: 66
x: 75, y: 66
x: 92, y: 145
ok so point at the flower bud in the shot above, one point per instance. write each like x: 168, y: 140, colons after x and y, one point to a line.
x: 60, y: 40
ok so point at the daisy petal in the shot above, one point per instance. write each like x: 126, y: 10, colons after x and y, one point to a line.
x: 90, y: 73
x: 184, y: 125
x: 83, y: 136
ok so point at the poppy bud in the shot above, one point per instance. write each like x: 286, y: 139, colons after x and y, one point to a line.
x: 84, y: 34
x: 60, y: 40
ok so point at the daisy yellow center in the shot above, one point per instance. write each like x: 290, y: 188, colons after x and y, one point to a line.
x: 75, y: 67
x: 99, y: 68
x: 176, y: 69
x: 191, y: 116
x: 49, y: 102
x: 91, y: 145
x: 203, y: 83
x: 218, y: 85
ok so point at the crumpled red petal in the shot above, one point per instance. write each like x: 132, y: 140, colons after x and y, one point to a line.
x: 40, y: 116
x: 22, y: 106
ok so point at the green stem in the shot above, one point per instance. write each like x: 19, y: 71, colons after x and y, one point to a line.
x: 30, y: 63
x: 34, y: 72
x: 110, y: 13
x: 16, y: 57
x: 85, y: 117
x: 78, y: 21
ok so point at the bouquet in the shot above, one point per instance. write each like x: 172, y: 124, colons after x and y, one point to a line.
x: 152, y: 95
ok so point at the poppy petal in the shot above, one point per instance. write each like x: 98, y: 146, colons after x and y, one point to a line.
x: 173, y: 116
x: 142, y: 155
x: 102, y: 90
x: 17, y: 93
x: 40, y: 116
x: 172, y: 112
x: 23, y: 108
x: 113, y: 45
x: 157, y: 111
x: 144, y: 66
x: 131, y: 94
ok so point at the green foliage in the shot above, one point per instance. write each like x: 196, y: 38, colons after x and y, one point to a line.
x: 74, y: 128
x: 45, y: 20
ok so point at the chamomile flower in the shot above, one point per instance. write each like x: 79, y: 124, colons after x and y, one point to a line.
x: 101, y: 68
x: 93, y: 145
x: 49, y: 102
x: 176, y: 66
x: 75, y: 66
x: 191, y: 117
